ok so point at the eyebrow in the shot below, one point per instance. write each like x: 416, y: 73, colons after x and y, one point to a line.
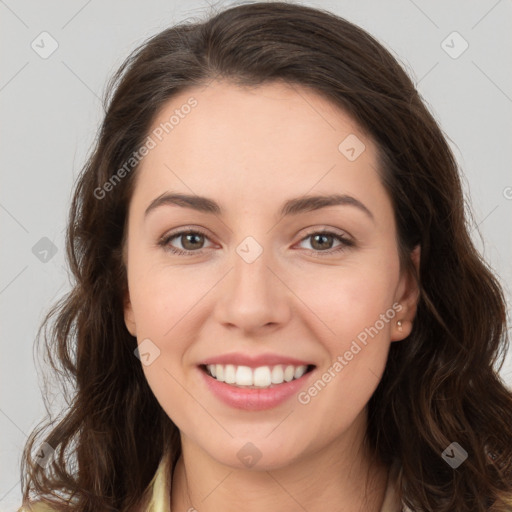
x: 290, y: 207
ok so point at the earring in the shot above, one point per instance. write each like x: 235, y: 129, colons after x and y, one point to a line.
x: 399, y: 324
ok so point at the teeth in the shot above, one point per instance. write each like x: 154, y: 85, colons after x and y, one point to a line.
x: 277, y: 374
x: 229, y: 374
x: 289, y: 372
x: 244, y: 376
x: 299, y: 372
x: 261, y: 377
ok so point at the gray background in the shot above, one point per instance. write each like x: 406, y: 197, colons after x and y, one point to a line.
x: 51, y: 110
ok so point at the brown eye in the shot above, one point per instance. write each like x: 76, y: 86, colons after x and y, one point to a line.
x: 323, y: 242
x: 191, y: 241
x: 184, y: 242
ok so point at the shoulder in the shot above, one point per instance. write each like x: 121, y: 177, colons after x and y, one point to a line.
x: 157, y: 493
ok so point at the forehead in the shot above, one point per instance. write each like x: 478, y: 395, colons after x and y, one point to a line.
x: 262, y: 142
x: 238, y: 117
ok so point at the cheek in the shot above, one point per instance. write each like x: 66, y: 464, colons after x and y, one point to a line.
x: 163, y: 296
x: 349, y: 298
x: 357, y: 355
x: 355, y: 308
x: 165, y: 302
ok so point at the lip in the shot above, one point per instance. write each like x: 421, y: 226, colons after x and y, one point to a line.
x: 239, y: 359
x: 254, y: 399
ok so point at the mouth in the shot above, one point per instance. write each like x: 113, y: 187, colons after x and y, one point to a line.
x: 261, y: 377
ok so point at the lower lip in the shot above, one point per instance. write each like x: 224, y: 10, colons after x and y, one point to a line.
x: 254, y: 399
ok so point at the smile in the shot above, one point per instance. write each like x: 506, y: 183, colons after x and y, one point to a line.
x: 255, y: 388
x: 262, y: 377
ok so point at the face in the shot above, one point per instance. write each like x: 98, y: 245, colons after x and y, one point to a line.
x: 258, y: 284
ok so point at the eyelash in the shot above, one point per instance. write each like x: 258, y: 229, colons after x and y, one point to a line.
x: 166, y: 239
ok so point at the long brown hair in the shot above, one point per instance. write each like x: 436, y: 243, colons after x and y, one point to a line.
x: 440, y: 385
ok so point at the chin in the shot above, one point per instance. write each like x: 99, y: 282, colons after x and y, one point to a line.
x: 256, y: 453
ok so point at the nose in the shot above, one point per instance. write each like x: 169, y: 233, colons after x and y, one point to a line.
x: 253, y: 296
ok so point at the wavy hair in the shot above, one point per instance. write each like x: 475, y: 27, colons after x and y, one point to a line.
x: 440, y: 385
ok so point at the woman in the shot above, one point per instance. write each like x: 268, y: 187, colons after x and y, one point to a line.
x: 277, y: 304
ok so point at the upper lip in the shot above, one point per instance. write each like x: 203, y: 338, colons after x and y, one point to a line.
x: 238, y: 359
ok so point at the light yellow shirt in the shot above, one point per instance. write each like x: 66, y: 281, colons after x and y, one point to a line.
x: 159, y: 490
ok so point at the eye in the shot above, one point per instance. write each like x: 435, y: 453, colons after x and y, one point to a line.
x: 322, y: 242
x: 191, y: 241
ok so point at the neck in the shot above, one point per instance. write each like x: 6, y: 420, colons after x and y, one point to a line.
x: 338, y: 478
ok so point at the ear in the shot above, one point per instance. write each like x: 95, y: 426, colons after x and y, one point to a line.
x: 407, y: 296
x: 129, y: 317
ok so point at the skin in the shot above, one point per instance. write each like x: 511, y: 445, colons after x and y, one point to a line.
x: 250, y: 149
